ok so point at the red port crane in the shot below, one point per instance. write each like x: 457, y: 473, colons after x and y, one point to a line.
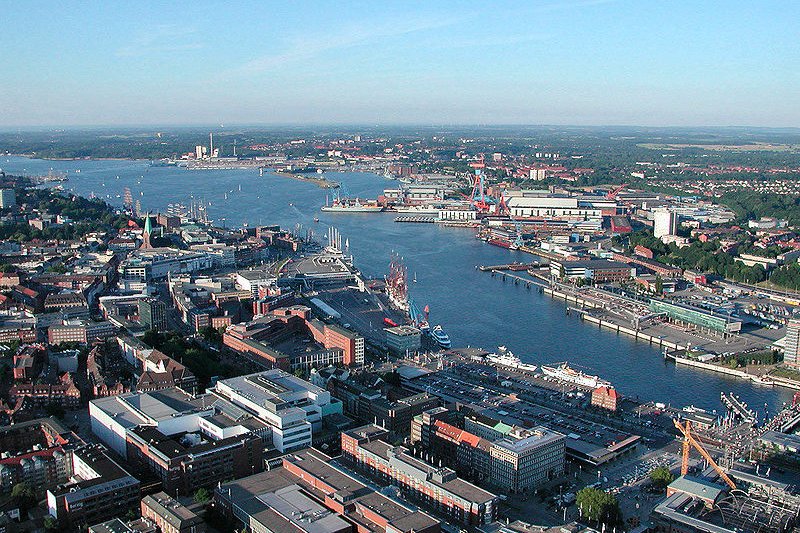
x: 612, y: 194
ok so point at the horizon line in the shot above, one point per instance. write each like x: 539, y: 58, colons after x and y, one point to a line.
x: 292, y: 125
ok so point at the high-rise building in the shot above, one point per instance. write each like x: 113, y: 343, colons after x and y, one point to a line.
x: 791, y: 351
x: 8, y: 198
x: 665, y: 222
x: 153, y: 314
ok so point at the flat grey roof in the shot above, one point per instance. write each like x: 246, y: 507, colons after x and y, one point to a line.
x: 697, y: 487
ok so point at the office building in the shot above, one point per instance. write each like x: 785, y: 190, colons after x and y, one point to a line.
x: 403, y: 339
x: 468, y: 454
x: 527, y: 458
x: 512, y: 459
x: 144, y: 265
x: 309, y: 494
x: 186, y: 442
x: 370, y: 404
x: 791, y: 343
x: 98, y: 489
x: 292, y: 409
x: 257, y: 338
x: 665, y: 222
x: 8, y: 198
x: 153, y: 314
x: 438, y: 488
x: 80, y: 330
x: 596, y: 270
x: 350, y: 342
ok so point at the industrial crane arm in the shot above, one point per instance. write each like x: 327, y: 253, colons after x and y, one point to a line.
x: 689, y: 439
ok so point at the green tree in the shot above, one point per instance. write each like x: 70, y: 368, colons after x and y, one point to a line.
x: 661, y: 477
x: 211, y: 334
x: 598, y: 506
x: 392, y: 378
x: 202, y: 496
x: 50, y: 523
x: 24, y: 496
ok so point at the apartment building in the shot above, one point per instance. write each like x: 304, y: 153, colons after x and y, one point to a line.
x: 437, y: 488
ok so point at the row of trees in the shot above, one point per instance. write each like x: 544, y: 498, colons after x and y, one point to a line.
x: 751, y: 204
x: 203, y: 363
x: 787, y: 276
x: 701, y: 256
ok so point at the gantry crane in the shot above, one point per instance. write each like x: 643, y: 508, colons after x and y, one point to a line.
x: 478, y: 198
x: 689, y: 440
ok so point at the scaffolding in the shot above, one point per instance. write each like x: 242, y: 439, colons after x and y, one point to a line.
x: 760, y: 510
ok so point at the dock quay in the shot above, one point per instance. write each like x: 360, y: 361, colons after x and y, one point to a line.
x: 510, y: 266
x: 458, y: 223
x: 720, y: 369
x: 582, y: 306
x: 417, y: 219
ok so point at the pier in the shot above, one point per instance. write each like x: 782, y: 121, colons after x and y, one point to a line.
x: 510, y: 266
x: 518, y: 280
x: 739, y: 408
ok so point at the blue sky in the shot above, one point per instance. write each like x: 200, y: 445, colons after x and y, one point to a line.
x: 644, y: 62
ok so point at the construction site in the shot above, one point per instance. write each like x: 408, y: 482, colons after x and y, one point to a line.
x: 733, y: 493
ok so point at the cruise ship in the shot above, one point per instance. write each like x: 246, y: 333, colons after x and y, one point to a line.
x: 563, y: 372
x: 507, y: 359
x: 441, y: 338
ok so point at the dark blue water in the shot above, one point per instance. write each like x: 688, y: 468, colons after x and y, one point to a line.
x: 474, y: 308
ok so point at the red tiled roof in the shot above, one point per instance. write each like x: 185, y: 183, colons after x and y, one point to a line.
x: 607, y: 391
x: 456, y: 434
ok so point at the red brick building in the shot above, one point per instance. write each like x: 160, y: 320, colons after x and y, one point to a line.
x: 643, y: 251
x: 63, y: 393
x: 606, y: 397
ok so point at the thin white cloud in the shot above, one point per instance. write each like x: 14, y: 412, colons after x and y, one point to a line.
x: 162, y: 38
x: 308, y: 46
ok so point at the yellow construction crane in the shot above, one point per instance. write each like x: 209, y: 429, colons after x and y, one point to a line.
x: 689, y: 440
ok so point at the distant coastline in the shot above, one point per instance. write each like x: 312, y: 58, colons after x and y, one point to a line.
x: 322, y: 183
x: 87, y: 158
